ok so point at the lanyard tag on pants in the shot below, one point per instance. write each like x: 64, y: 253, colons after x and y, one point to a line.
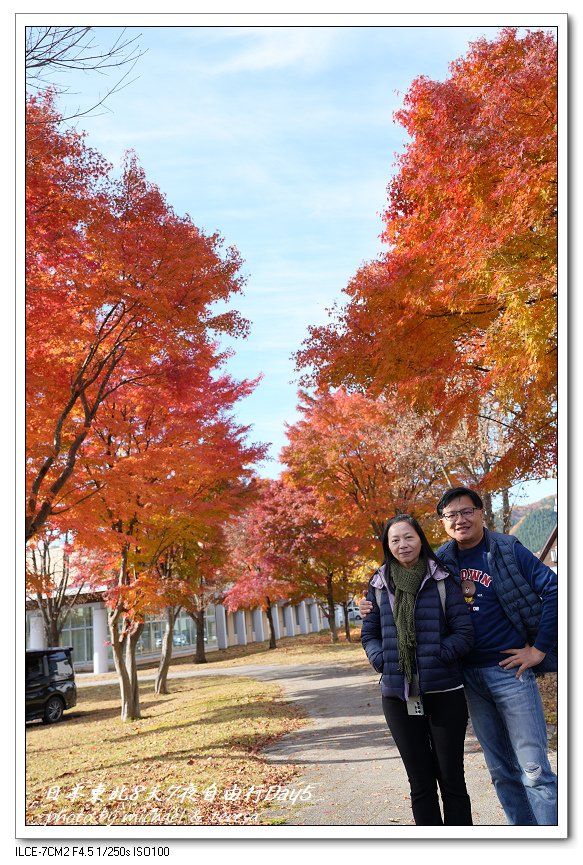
x: 414, y: 701
x: 415, y: 706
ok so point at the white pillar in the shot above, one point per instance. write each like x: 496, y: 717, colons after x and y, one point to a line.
x: 221, y: 625
x: 338, y: 616
x: 100, y: 637
x: 258, y: 625
x: 314, y: 618
x: 37, y: 639
x: 303, y: 618
x: 288, y: 620
x: 276, y: 622
x: 240, y: 628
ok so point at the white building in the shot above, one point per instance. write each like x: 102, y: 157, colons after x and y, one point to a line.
x: 87, y: 630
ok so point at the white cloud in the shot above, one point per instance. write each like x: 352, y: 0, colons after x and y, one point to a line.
x: 276, y: 48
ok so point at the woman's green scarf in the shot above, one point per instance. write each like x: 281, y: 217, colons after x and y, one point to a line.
x: 407, y: 582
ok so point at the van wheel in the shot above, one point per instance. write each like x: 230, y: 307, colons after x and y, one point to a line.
x: 53, y: 710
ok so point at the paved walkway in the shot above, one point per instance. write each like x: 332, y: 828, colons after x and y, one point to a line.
x: 346, y: 751
x: 349, y: 756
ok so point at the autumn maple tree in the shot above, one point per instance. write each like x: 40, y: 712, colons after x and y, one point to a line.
x: 282, y: 549
x: 365, y: 459
x: 120, y: 291
x: 130, y: 430
x: 194, y: 570
x: 268, y: 551
x: 460, y: 313
x: 166, y: 468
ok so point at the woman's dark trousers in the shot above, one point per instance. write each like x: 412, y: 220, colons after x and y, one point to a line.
x: 432, y: 749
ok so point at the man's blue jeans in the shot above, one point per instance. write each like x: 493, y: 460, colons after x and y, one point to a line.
x: 508, y: 719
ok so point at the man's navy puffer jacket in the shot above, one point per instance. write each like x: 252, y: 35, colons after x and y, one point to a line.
x: 440, y: 643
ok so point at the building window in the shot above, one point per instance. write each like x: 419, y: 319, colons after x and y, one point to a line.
x: 210, y: 627
x: 78, y: 632
x: 184, y: 635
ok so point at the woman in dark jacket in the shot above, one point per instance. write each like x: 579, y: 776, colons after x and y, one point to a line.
x: 415, y: 636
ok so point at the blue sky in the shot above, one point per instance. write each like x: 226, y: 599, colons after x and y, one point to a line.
x: 283, y: 140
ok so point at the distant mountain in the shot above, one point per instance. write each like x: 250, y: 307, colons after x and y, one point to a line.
x: 533, y: 523
x: 520, y: 511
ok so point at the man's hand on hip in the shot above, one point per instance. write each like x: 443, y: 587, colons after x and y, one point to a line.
x: 523, y: 658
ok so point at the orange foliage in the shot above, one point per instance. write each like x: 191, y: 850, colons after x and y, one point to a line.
x: 365, y: 459
x: 282, y: 548
x: 461, y: 309
x: 120, y: 292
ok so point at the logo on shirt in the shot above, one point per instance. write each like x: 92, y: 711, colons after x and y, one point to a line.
x: 469, y: 578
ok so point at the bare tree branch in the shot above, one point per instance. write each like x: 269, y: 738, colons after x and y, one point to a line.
x: 51, y: 51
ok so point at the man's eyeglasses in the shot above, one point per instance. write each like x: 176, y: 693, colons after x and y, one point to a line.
x: 467, y: 514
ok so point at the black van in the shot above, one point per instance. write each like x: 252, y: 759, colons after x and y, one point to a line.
x: 50, y: 683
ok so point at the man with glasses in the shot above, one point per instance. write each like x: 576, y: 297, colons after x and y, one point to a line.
x: 513, y: 599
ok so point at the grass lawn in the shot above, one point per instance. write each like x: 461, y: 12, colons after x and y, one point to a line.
x: 92, y: 769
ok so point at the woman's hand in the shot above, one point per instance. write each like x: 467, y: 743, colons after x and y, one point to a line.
x: 364, y: 607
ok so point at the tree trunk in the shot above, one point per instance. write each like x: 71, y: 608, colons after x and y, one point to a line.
x: 448, y: 479
x: 117, y: 646
x: 331, y: 616
x: 161, y: 684
x: 346, y: 622
x: 269, y: 614
x: 124, y: 655
x: 53, y: 633
x: 378, y: 529
x: 200, y: 657
x: 506, y: 512
x: 488, y: 512
x: 487, y: 499
x: 132, y: 668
